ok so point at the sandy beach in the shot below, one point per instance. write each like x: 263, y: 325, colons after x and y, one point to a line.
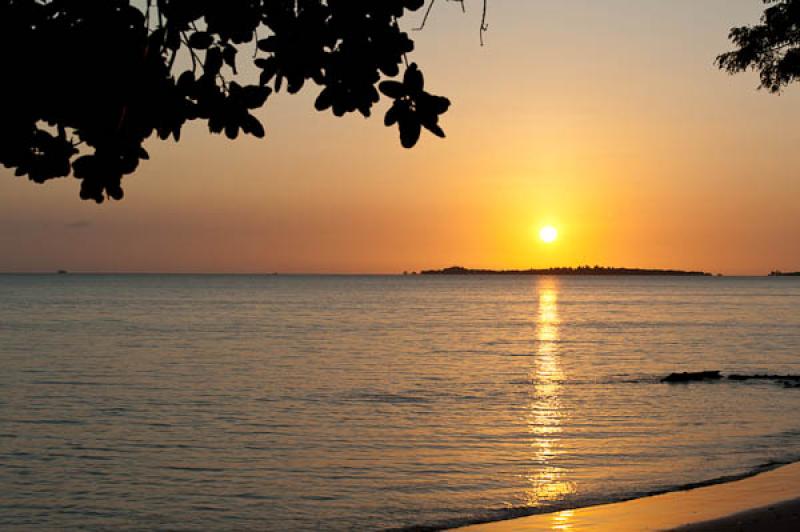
x: 767, y: 501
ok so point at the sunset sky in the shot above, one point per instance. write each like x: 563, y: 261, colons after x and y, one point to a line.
x: 606, y: 119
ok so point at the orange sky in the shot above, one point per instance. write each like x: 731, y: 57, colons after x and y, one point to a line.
x: 604, y: 118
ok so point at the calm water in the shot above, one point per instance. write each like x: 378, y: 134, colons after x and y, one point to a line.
x: 353, y: 403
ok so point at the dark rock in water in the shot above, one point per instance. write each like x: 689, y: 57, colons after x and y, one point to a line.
x: 789, y: 381
x: 784, y: 378
x: 692, y: 376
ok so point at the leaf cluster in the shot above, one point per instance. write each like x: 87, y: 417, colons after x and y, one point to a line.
x: 772, y: 47
x: 87, y: 82
x: 413, y: 108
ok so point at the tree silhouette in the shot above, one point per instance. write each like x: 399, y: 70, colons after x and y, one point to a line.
x: 771, y: 47
x: 87, y: 82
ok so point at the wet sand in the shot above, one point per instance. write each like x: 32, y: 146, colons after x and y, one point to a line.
x: 781, y: 517
x: 767, y: 501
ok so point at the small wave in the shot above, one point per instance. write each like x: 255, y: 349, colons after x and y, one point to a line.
x: 493, y: 515
x: 389, y: 398
x: 196, y: 469
x: 68, y: 383
x: 252, y: 496
x: 46, y: 421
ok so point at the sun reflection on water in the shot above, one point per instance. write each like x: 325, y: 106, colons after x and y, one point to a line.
x: 545, y: 413
x: 563, y: 520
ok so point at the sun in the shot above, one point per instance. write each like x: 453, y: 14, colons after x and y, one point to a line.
x: 548, y: 234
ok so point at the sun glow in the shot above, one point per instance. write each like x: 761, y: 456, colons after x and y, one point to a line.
x: 548, y: 234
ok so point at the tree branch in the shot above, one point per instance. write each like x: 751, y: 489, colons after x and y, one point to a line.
x: 425, y: 18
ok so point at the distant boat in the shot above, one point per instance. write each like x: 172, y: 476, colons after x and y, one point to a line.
x: 62, y: 272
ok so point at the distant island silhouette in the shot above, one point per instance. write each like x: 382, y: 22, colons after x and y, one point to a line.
x: 580, y: 270
x: 778, y: 273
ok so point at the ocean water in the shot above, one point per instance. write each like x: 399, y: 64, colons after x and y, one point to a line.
x: 366, y: 403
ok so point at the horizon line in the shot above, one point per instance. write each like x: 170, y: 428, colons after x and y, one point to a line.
x: 407, y: 273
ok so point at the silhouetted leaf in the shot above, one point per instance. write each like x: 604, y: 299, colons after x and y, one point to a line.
x: 185, y: 81
x: 216, y: 124
x: 231, y: 131
x: 390, y: 68
x: 229, y: 57
x: 255, y: 96
x: 267, y: 45
x: 409, y: 131
x: 173, y: 39
x: 412, y: 80
x: 435, y: 129
x: 200, y: 40
x: 392, y: 89
x: 295, y: 84
x: 252, y: 126
x: 157, y: 38
x: 364, y: 109
x: 392, y: 115
x: 115, y: 192
x: 213, y: 62
x: 268, y: 69
x: 324, y: 100
x: 438, y: 104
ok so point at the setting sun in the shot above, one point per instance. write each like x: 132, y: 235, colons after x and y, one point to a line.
x: 548, y: 234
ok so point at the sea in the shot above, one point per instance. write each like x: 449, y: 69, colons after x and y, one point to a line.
x: 278, y: 402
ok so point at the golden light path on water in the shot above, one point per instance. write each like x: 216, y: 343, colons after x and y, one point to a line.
x: 545, y: 412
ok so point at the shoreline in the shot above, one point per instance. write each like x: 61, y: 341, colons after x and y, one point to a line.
x: 768, y: 500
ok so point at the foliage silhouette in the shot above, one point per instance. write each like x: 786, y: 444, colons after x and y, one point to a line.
x: 771, y: 47
x: 88, y: 82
